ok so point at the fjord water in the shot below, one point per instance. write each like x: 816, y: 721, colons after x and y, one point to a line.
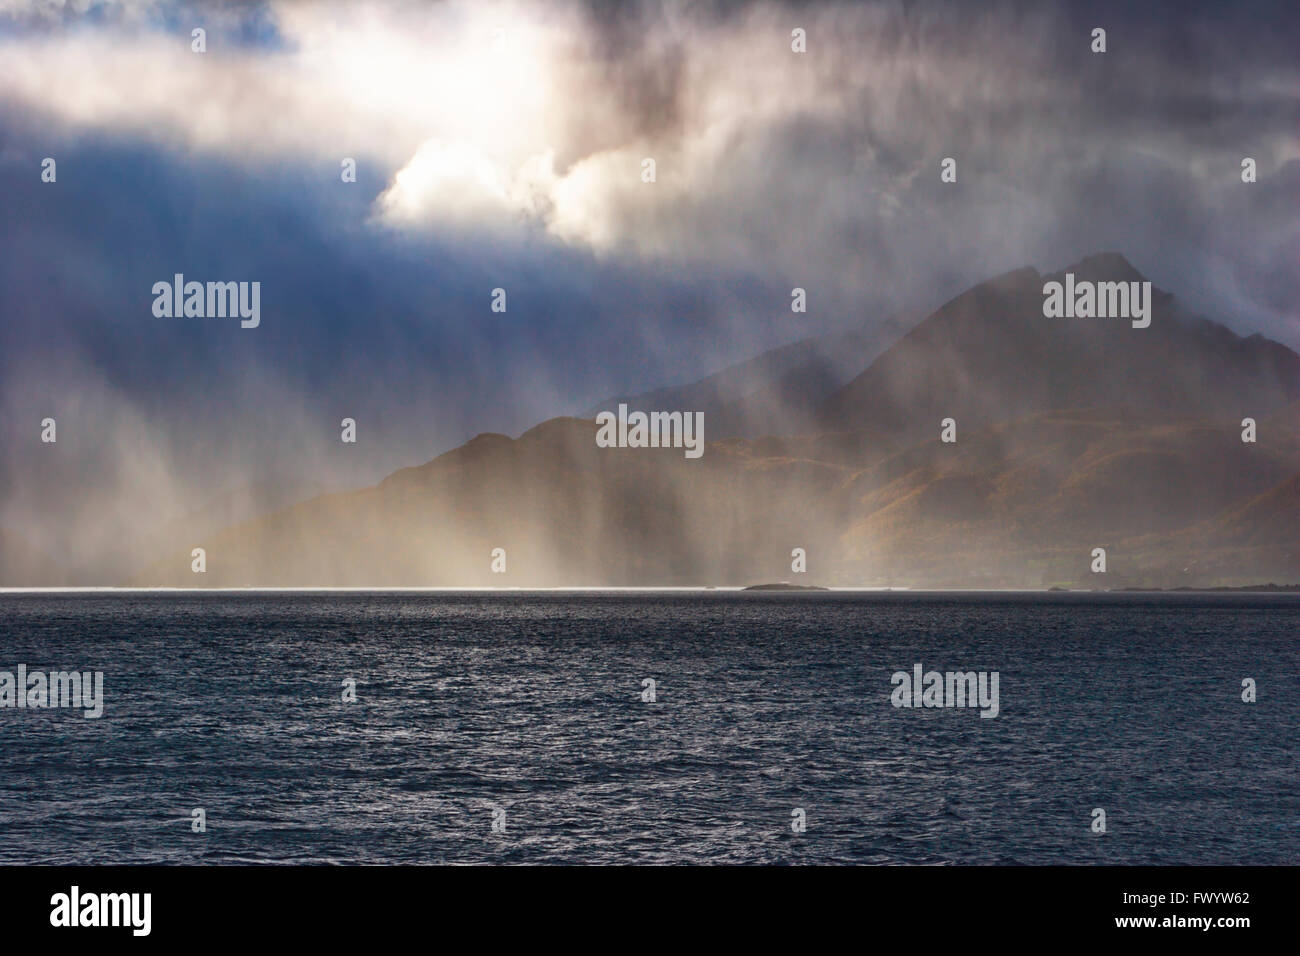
x: 766, y: 702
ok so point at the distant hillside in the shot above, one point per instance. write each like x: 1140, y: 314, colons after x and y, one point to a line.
x: 1016, y: 505
x: 565, y: 511
x: 1024, y: 503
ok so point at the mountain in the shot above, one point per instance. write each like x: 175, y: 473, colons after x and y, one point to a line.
x: 1072, y: 435
x: 1020, y: 504
x: 776, y: 393
x: 990, y: 355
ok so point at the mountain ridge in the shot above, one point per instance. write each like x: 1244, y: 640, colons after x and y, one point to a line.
x: 1155, y: 473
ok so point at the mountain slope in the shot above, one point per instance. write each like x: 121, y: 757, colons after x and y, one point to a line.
x: 565, y: 511
x: 1016, y: 505
x: 775, y: 393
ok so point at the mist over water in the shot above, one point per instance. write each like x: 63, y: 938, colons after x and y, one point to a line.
x: 765, y: 703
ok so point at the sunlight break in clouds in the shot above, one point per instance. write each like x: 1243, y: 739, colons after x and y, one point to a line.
x: 487, y: 114
x: 464, y: 105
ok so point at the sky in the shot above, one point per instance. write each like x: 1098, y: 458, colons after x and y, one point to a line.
x: 502, y: 145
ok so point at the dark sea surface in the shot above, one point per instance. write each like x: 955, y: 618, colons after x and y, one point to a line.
x: 532, y: 702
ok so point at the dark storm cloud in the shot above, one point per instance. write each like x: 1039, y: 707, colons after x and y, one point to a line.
x: 397, y: 328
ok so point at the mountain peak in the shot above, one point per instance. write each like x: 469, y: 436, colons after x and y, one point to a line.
x: 1105, y: 267
x: 990, y: 355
